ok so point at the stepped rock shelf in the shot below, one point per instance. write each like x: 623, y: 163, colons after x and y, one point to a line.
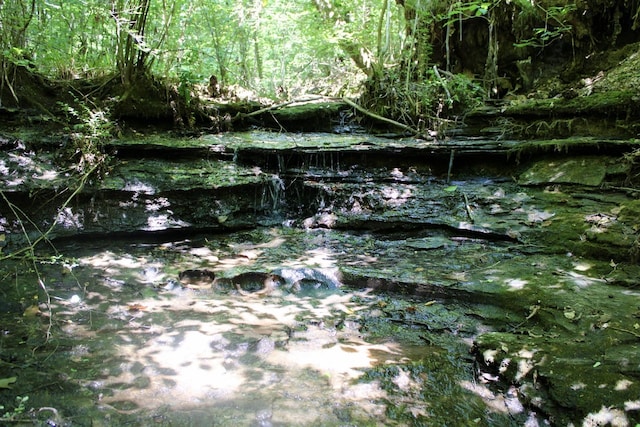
x: 239, y: 180
x: 527, y: 249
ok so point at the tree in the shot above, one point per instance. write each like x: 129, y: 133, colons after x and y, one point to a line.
x: 339, y: 17
x: 15, y: 18
x: 132, y: 49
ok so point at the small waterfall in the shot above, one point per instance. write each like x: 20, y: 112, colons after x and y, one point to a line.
x: 273, y: 195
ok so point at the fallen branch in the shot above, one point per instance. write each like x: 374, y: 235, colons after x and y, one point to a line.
x: 380, y: 118
x: 443, y: 82
x: 275, y: 107
x: 623, y: 188
x: 615, y: 328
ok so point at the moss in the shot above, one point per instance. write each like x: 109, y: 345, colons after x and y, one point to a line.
x: 570, y: 145
x: 610, y: 103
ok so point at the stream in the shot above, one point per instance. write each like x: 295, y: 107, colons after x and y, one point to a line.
x: 414, y: 283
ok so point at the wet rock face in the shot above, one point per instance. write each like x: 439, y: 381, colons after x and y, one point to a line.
x: 298, y: 279
x: 314, y: 181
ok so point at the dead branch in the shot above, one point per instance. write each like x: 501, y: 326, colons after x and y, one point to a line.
x: 381, y: 118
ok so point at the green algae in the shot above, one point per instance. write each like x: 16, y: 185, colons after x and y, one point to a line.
x: 589, y: 171
x: 155, y: 176
x: 608, y: 103
x: 537, y: 276
x: 575, y: 144
x: 554, y: 313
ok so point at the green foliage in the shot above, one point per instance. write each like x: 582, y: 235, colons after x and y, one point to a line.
x: 465, y: 10
x: 553, y: 20
x: 272, y: 48
x: 18, y: 57
x: 555, y: 25
x: 421, y: 104
x: 267, y: 47
x: 187, y: 81
x: 91, y: 128
x: 15, y: 413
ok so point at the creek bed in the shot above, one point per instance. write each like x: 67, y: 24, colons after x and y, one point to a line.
x: 503, y: 296
x: 130, y: 345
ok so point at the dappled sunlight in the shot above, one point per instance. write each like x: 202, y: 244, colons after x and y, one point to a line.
x: 320, y: 257
x: 623, y: 385
x: 363, y: 259
x: 516, y: 284
x: 14, y: 182
x: 578, y: 279
x: 395, y: 196
x: 301, y: 348
x: 154, y: 205
x: 397, y: 173
x: 243, y: 259
x: 49, y: 175
x: 273, y: 242
x: 338, y: 363
x: 606, y: 416
x: 23, y: 162
x: 495, y: 402
x: 246, y: 349
x: 111, y: 262
x: 632, y: 405
x: 182, y: 349
x: 68, y: 219
x: 143, y: 344
x: 535, y: 216
x: 205, y: 254
x: 137, y: 186
x: 582, y: 266
x: 19, y: 167
x: 162, y: 222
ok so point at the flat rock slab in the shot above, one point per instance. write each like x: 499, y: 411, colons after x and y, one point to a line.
x: 585, y: 170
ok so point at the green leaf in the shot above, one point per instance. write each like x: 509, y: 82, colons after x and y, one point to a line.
x: 483, y: 9
x: 451, y: 188
x: 5, y: 382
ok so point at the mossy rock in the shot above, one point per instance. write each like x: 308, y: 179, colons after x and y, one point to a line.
x: 630, y: 213
x: 588, y: 170
x: 609, y: 103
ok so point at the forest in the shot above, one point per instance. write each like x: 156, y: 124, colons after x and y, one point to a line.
x: 319, y: 212
x: 409, y: 61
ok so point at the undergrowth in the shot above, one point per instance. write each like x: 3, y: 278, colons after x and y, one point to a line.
x: 84, y: 156
x: 428, y: 104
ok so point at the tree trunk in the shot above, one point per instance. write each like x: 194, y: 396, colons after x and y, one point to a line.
x: 132, y: 51
x: 360, y: 55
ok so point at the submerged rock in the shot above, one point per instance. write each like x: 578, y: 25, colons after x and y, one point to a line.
x: 197, y: 279
x: 305, y: 278
x: 254, y: 283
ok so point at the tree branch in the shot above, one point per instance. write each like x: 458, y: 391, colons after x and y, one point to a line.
x: 381, y: 118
